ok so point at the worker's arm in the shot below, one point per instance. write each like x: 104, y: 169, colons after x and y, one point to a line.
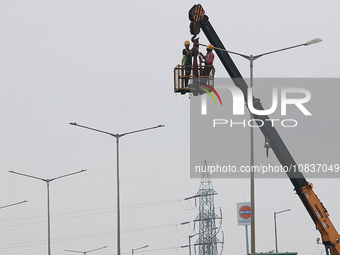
x: 186, y: 53
x: 189, y: 52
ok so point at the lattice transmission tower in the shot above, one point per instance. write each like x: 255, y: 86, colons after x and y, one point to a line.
x: 206, y: 218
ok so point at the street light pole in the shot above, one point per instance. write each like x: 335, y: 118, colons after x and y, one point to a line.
x: 48, y: 201
x: 117, y: 136
x: 251, y: 59
x: 85, y: 252
x: 252, y: 163
x: 275, y: 213
x: 145, y: 246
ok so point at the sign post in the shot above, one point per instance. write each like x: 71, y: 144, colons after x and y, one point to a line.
x: 244, y: 218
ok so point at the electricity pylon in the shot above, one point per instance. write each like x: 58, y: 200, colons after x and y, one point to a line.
x: 207, y: 240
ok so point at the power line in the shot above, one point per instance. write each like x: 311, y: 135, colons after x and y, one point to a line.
x: 79, y: 237
x: 151, y: 250
x: 112, y: 183
x: 127, y: 207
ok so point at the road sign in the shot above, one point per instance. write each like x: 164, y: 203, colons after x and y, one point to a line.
x: 243, y: 213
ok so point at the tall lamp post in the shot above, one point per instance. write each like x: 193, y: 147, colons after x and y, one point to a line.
x: 146, y: 246
x: 275, y: 213
x: 251, y: 59
x: 117, y: 136
x: 48, y: 200
x: 85, y: 252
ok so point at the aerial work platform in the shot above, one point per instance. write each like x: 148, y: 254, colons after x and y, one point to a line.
x: 185, y: 81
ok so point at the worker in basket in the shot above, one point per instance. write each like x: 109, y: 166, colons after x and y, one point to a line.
x: 187, y: 61
x: 208, y: 60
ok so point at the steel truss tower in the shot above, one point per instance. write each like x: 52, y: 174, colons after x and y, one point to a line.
x: 207, y: 240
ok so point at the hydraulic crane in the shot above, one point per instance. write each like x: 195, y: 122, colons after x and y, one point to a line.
x: 304, y: 189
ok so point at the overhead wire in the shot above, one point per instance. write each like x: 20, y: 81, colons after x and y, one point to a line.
x: 96, y: 187
x: 85, y: 236
x: 110, y: 209
x: 112, y: 183
x: 152, y: 250
x: 127, y: 207
x: 192, y: 231
x: 192, y: 207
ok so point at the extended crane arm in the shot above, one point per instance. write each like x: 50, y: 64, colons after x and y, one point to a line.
x: 316, y: 210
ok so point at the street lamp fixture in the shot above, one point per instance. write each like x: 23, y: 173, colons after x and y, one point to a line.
x: 249, y: 57
x: 85, y: 252
x: 316, y: 40
x: 275, y: 213
x: 117, y: 136
x: 146, y: 246
x: 48, y: 200
x: 252, y: 58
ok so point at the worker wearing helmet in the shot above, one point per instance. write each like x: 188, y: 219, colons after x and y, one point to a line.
x: 208, y: 60
x: 209, y: 57
x: 187, y: 61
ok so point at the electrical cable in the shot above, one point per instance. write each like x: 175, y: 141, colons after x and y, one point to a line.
x: 127, y: 207
x: 85, y: 236
x: 112, y: 183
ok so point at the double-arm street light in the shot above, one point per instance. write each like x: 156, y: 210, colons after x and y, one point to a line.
x: 85, y: 252
x: 48, y: 200
x: 117, y: 136
x: 145, y: 246
x: 275, y: 213
x: 251, y: 59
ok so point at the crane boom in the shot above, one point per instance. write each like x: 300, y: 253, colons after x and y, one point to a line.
x: 304, y: 190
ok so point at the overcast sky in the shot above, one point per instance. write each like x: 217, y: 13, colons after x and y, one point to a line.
x: 109, y: 65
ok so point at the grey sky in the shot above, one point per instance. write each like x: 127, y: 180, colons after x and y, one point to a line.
x: 109, y: 65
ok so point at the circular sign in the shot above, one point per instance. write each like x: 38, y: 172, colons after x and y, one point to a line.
x: 245, y: 212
